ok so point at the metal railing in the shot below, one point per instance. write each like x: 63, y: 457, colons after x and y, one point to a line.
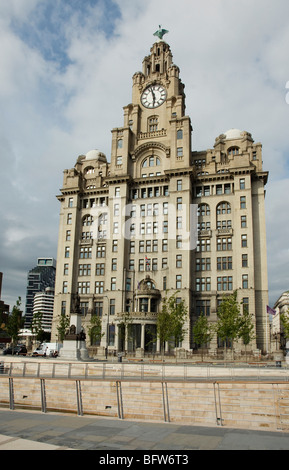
x: 141, y: 371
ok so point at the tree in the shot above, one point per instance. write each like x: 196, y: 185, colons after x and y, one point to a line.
x: 202, y: 332
x: 247, y: 329
x: 171, y: 320
x: 228, y: 323
x: 285, y: 323
x: 15, y: 322
x: 37, y: 328
x: 64, y: 322
x: 94, y: 330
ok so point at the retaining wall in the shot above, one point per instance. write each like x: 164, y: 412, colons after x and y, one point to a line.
x: 237, y: 404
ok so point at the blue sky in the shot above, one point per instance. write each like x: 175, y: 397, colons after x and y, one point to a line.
x: 66, y: 70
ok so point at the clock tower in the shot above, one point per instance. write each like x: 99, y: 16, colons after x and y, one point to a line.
x: 159, y: 219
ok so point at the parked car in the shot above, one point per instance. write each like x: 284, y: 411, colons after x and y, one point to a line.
x: 20, y: 350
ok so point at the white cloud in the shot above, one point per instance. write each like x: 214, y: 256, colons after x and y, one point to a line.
x: 65, y: 79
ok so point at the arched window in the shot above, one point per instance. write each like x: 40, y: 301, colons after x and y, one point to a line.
x: 232, y: 151
x: 87, y: 220
x: 203, y: 210
x: 151, y: 161
x: 89, y: 170
x: 179, y: 134
x: 223, y: 208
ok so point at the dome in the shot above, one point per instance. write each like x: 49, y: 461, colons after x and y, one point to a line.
x: 233, y: 134
x: 95, y: 155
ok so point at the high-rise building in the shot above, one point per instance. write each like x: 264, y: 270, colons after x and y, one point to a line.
x: 43, y: 303
x: 40, y: 277
x: 127, y: 233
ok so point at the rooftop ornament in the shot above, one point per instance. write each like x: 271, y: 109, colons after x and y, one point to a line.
x: 160, y: 32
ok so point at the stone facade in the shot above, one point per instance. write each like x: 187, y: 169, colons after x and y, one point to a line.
x: 161, y: 218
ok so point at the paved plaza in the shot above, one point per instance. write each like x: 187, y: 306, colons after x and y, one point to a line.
x: 21, y: 430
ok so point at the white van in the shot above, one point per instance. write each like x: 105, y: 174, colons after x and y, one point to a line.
x: 47, y: 349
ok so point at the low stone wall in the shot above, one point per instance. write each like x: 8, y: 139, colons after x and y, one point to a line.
x: 237, y: 404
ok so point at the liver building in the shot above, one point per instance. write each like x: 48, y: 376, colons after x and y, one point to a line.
x: 161, y: 219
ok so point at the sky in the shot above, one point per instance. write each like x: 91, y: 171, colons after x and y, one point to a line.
x: 66, y: 70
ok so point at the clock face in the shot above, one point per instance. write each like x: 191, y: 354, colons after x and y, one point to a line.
x: 153, y: 96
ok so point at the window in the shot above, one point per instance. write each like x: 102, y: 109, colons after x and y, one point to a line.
x: 224, y: 283
x: 84, y: 270
x: 165, y: 208
x: 164, y: 263
x: 179, y: 241
x: 203, y: 307
x: 223, y: 208
x: 179, y: 134
x: 245, y: 303
x: 69, y: 219
x: 144, y: 304
x: 141, y: 247
x: 245, y: 281
x: 244, y: 241
x: 117, y: 192
x: 113, y: 283
x: 203, y: 284
x: 98, y: 308
x: 242, y: 183
x: 118, y: 160
x: 119, y: 144
x: 165, y: 226
x: 243, y: 221
x: 204, y: 209
x: 114, y: 264
x: 224, y: 244
x: 114, y: 246
x: 178, y: 281
x: 100, y: 268
x: 100, y: 251
x: 154, y: 264
x: 116, y: 210
x: 128, y: 284
x: 99, y: 287
x: 67, y: 252
x: 64, y: 287
x: 63, y: 307
x: 179, y: 203
x: 148, y: 246
x: 85, y: 253
x: 233, y: 151
x: 115, y: 227
x: 132, y: 247
x: 179, y: 185
x: 83, y: 287
x: 131, y: 265
x: 87, y: 221
x: 155, y: 246
x: 65, y: 270
x: 165, y: 245
x: 70, y: 202
x: 204, y: 245
x: 244, y: 261
x: 68, y: 235
x: 112, y: 306
x: 203, y: 264
x: 141, y: 265
x: 224, y: 263
x: 179, y: 151
x: 178, y: 261
x: 243, y: 202
x: 179, y: 222
x: 153, y: 124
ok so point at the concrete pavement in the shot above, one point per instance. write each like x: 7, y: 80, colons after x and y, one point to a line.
x: 21, y: 430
